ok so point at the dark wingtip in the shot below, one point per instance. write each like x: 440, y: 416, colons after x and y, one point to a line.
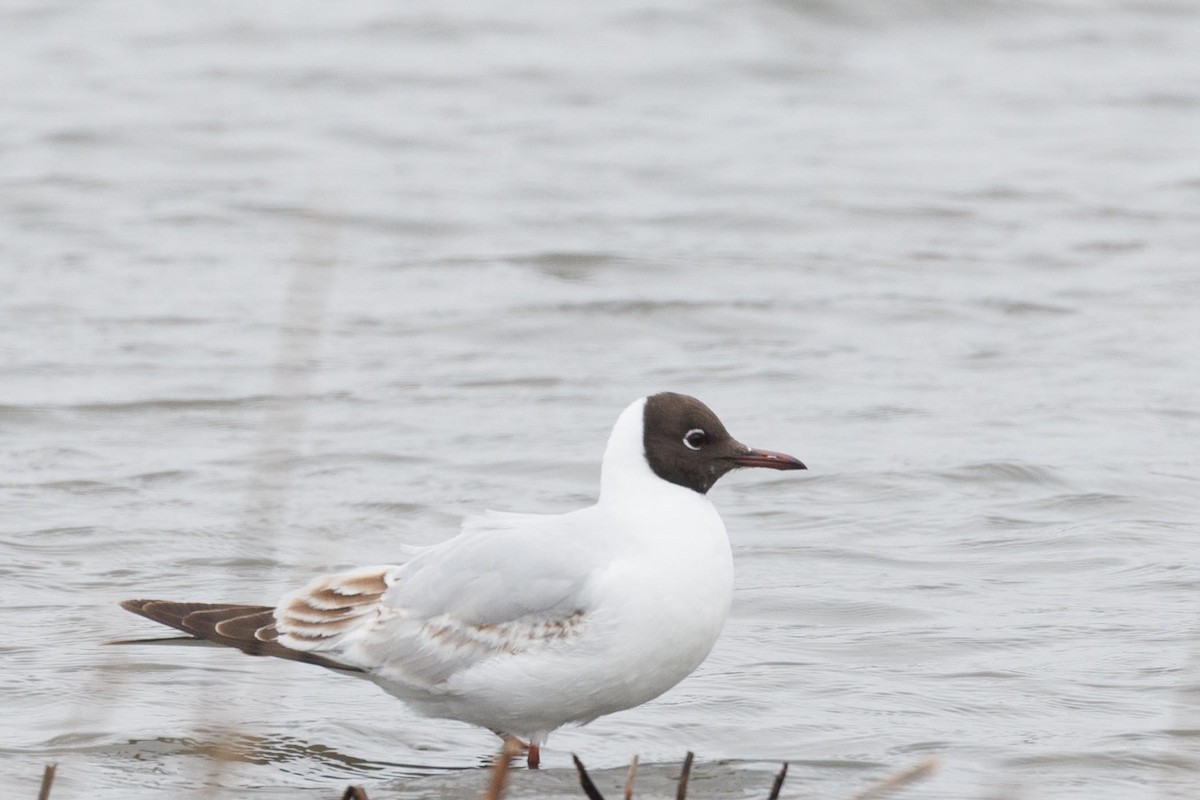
x: 162, y: 640
x: 209, y: 623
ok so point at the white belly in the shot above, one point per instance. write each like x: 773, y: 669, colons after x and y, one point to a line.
x: 656, y: 610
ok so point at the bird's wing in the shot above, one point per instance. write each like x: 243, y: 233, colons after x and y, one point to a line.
x: 502, y: 567
x: 506, y: 584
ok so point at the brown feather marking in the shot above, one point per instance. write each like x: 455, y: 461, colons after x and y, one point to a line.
x: 302, y: 610
x: 374, y: 583
x: 329, y: 598
x: 267, y: 633
x: 205, y: 620
x: 293, y: 626
x: 306, y: 635
x: 502, y: 636
x: 244, y: 628
x: 174, y: 614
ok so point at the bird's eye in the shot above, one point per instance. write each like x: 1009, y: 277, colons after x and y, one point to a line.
x: 695, y: 439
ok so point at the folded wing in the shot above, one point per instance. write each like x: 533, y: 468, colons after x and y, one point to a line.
x: 507, y: 584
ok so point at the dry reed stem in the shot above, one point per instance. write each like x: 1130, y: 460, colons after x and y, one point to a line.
x: 629, y: 776
x: 300, y: 331
x: 508, y: 751
x: 589, y: 786
x: 681, y: 789
x: 585, y: 780
x: 47, y: 781
x: 778, y: 784
x: 893, y: 782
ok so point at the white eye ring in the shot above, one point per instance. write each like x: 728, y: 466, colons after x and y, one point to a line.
x: 689, y: 434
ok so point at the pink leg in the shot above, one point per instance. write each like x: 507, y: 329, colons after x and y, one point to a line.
x: 534, y: 757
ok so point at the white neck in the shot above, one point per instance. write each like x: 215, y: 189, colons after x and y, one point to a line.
x: 625, y: 475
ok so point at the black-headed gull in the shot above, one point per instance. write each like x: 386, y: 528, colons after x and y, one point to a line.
x: 525, y: 622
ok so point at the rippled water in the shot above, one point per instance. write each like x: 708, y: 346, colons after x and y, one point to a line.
x: 286, y: 285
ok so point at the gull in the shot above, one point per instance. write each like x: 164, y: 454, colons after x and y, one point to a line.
x: 523, y: 623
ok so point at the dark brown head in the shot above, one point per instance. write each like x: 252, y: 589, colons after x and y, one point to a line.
x: 687, y: 445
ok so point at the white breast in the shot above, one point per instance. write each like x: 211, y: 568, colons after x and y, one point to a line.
x: 570, y: 617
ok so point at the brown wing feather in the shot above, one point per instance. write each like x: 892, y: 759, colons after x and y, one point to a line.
x: 332, y: 605
x: 250, y: 629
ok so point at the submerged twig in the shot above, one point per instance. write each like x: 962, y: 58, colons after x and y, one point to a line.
x: 629, y: 776
x: 778, y: 784
x: 47, y: 781
x: 681, y: 790
x: 893, y: 782
x: 585, y: 780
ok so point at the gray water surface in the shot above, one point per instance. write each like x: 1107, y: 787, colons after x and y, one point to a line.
x: 284, y: 286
